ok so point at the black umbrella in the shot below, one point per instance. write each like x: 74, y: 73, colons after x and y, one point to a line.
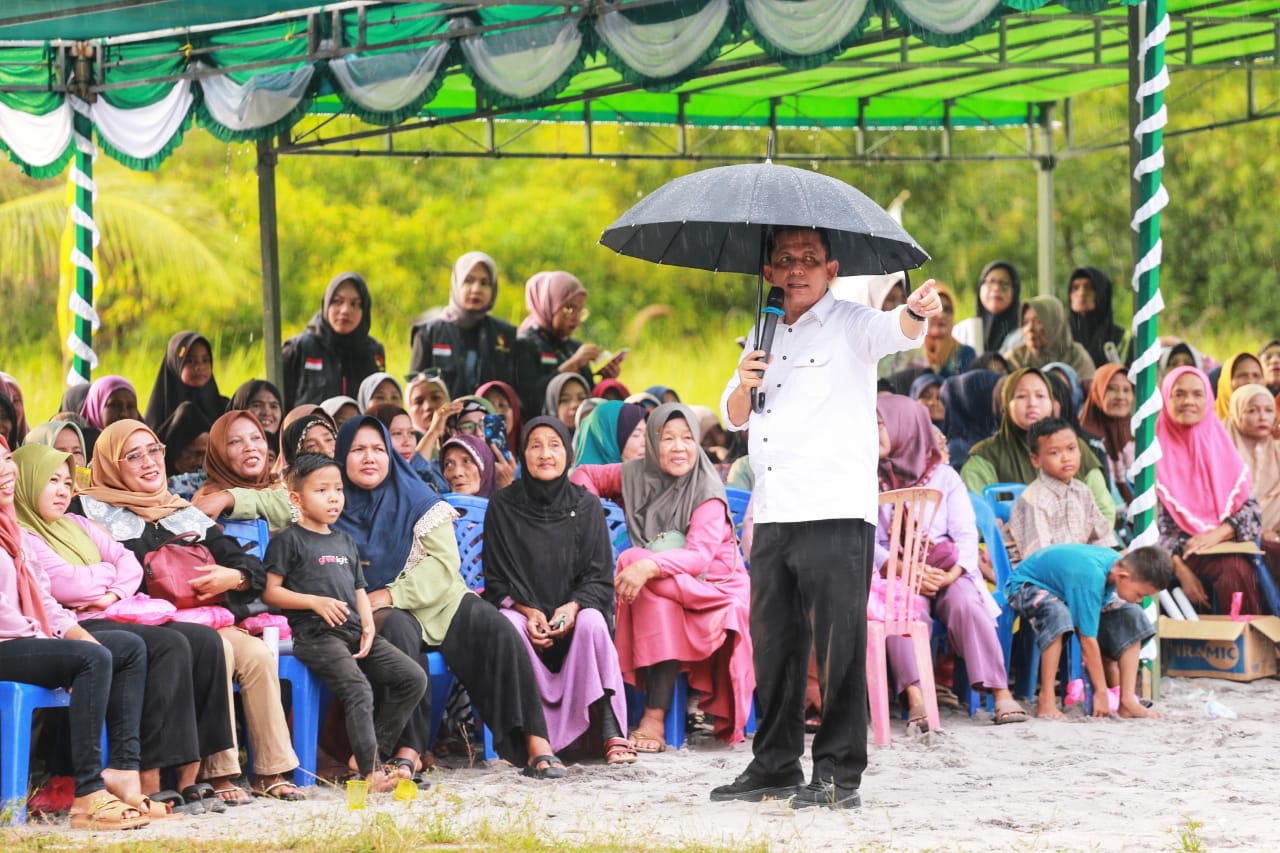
x: 718, y: 219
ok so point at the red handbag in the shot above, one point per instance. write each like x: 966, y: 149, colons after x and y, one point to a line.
x: 172, y: 567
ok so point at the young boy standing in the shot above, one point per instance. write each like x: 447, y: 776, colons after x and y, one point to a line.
x: 1093, y: 591
x: 1056, y: 507
x: 314, y: 576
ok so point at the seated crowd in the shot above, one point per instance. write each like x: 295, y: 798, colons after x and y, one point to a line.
x: 351, y: 471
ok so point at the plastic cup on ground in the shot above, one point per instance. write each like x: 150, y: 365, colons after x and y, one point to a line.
x: 357, y: 793
x: 406, y: 791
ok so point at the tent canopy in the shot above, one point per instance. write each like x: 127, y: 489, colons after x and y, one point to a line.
x: 251, y: 70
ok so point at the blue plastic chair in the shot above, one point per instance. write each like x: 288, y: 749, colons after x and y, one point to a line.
x: 468, y: 530
x: 738, y: 500
x: 617, y: 521
x: 18, y: 701
x: 1000, y: 497
x: 248, y: 532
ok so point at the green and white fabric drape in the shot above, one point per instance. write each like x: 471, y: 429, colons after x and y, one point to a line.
x: 256, y: 80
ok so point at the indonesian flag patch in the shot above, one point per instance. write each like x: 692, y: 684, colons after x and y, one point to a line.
x: 441, y: 350
x: 313, y: 364
x: 549, y: 358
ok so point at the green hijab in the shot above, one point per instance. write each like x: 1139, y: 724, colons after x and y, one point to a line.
x: 1008, y: 450
x: 36, y: 464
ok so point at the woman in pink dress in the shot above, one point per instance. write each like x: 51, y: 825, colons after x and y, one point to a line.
x: 683, y: 593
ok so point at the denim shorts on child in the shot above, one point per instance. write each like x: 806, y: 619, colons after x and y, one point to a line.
x: 1121, y: 625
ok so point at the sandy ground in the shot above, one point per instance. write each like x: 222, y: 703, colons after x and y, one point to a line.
x: 1081, y: 784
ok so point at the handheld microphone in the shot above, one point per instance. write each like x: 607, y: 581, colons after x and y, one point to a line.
x: 771, y: 312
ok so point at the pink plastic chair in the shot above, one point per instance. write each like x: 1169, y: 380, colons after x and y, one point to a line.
x: 913, y: 512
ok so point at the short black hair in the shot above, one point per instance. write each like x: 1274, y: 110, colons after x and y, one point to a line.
x: 1044, y: 428
x: 307, y: 464
x: 1150, y: 565
x: 771, y: 239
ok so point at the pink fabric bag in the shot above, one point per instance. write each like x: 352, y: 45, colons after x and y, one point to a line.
x: 141, y: 610
x: 211, y: 616
x: 255, y: 624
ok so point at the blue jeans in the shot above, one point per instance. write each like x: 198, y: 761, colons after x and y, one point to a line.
x: 106, y: 683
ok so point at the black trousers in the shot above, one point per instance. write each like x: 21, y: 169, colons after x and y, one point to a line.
x: 106, y: 683
x: 185, y: 715
x: 401, y: 629
x: 809, y: 585
x: 401, y: 682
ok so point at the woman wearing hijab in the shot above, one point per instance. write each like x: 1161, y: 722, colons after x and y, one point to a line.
x: 953, y: 583
x: 41, y: 643
x: 613, y: 432
x: 467, y: 344
x: 1180, y: 354
x: 1250, y: 424
x: 565, y: 394
x: 556, y: 302
x: 307, y: 429
x: 185, y: 434
x: 404, y: 531
x: 186, y: 715
x: 14, y: 390
x: 1046, y: 338
x: 996, y: 327
x: 1241, y: 369
x: 1027, y: 397
x: 109, y: 399
x: 377, y: 389
x: 335, y: 352
x: 611, y: 389
x: 468, y: 464
x: 239, y: 482
x: 548, y: 566
x: 1205, y: 495
x: 61, y: 435
x: 9, y: 421
x: 941, y: 354
x: 263, y: 400
x: 428, y: 405
x: 186, y: 375
x: 970, y: 405
x: 1106, y: 413
x: 128, y: 497
x: 506, y: 402
x: 1092, y: 326
x: 683, y: 593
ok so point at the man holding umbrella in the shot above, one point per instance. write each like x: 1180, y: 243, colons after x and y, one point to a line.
x: 815, y: 515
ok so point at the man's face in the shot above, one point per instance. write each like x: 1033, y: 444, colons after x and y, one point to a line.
x: 800, y: 267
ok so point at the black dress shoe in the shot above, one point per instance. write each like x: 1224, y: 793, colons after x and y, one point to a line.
x: 754, y: 788
x: 827, y: 794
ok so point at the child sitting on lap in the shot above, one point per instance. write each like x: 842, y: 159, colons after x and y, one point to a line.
x: 1091, y: 590
x: 314, y: 576
x: 1056, y: 507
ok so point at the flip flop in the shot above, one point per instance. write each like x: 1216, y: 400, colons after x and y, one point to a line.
x: 643, y: 742
x: 554, y: 768
x: 203, y: 793
x: 177, y: 803
x: 288, y: 796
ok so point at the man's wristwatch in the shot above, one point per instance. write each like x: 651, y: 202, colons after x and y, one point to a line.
x: 914, y: 316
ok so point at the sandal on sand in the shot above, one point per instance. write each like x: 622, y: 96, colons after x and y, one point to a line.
x: 109, y: 812
x: 1009, y: 712
x: 281, y: 790
x: 157, y: 809
x: 553, y: 769
x: 618, y: 750
x: 203, y: 794
x: 918, y: 715
x: 393, y: 766
x: 175, y: 802
x: 643, y: 742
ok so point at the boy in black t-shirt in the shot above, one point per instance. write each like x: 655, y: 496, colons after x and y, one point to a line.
x: 314, y: 576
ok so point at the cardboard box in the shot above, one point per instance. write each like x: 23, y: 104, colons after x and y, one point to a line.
x: 1216, y: 647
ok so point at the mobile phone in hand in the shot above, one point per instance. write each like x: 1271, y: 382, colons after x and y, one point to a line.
x: 495, y: 432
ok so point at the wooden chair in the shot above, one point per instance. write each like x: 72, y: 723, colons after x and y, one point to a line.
x: 912, y: 516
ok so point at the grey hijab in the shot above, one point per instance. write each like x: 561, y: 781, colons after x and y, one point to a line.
x: 656, y: 502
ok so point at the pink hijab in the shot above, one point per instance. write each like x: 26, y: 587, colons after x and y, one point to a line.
x: 1200, y: 477
x: 30, y: 600
x: 101, y: 389
x: 454, y: 312
x: 545, y: 294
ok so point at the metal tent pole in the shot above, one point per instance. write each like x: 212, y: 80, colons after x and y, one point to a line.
x: 1044, y: 200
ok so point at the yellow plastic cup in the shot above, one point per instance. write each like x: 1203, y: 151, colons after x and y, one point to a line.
x: 357, y: 793
x: 406, y: 791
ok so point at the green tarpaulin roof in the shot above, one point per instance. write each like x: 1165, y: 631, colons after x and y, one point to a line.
x: 251, y: 70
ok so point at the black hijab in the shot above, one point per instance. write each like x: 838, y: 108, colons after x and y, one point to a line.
x: 247, y: 391
x: 7, y: 407
x: 184, y: 425
x: 169, y: 389
x: 546, y: 541
x: 1096, y: 328
x: 356, y: 351
x: 292, y: 435
x: 997, y: 327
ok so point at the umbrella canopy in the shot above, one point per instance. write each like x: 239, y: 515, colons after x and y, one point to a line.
x: 718, y: 219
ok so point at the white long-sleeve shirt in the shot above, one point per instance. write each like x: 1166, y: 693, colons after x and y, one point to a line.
x: 815, y: 447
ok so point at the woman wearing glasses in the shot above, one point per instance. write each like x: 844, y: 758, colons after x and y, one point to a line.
x: 467, y: 344
x: 556, y: 302
x: 128, y: 497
